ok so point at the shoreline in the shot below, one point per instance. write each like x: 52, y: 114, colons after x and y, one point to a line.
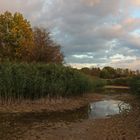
x: 50, y: 105
x: 38, y: 126
x: 62, y: 104
x: 116, y: 87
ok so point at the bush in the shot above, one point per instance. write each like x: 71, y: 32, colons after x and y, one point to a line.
x: 33, y: 81
x: 135, y: 85
x: 98, y: 84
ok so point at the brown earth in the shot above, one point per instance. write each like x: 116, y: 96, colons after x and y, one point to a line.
x: 119, y: 127
x: 49, y: 105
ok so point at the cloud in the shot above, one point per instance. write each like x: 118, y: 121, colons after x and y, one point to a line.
x: 92, y: 2
x: 120, y: 57
x: 133, y: 64
x: 99, y: 32
x: 30, y: 8
x: 131, y: 24
x: 135, y: 2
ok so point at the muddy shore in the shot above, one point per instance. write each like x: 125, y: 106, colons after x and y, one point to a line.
x: 26, y: 126
x: 63, y: 104
x: 49, y: 105
x: 118, y: 127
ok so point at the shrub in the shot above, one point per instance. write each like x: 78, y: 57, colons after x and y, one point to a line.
x: 135, y: 85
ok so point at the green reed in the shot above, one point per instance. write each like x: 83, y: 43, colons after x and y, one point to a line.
x: 36, y: 80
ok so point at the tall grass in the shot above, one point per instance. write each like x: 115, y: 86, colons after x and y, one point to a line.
x: 34, y: 81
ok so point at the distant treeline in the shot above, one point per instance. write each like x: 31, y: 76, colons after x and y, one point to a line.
x: 110, y: 72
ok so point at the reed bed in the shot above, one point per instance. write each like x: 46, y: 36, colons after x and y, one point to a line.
x: 34, y: 81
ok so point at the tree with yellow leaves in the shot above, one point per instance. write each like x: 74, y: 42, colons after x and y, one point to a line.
x: 18, y: 41
x: 16, y: 36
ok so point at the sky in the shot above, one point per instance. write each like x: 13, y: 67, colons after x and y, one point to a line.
x: 92, y: 33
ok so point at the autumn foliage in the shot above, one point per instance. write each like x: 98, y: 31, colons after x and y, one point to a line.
x: 20, y: 42
x: 45, y: 49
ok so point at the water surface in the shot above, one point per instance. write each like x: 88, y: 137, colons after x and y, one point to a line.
x: 107, y: 108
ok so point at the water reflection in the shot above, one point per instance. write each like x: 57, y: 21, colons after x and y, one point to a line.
x: 107, y: 108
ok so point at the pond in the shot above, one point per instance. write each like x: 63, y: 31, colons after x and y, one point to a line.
x: 107, y: 108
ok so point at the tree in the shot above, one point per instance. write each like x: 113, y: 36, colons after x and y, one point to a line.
x: 86, y: 70
x: 19, y: 42
x: 16, y: 36
x: 95, y: 72
x: 45, y: 49
x: 105, y: 74
x: 108, y: 72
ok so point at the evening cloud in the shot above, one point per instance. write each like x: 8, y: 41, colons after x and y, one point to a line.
x: 91, y: 32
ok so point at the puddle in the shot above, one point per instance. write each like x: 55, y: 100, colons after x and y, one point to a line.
x: 107, y: 108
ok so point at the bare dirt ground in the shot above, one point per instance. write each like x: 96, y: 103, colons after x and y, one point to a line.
x: 119, y: 127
